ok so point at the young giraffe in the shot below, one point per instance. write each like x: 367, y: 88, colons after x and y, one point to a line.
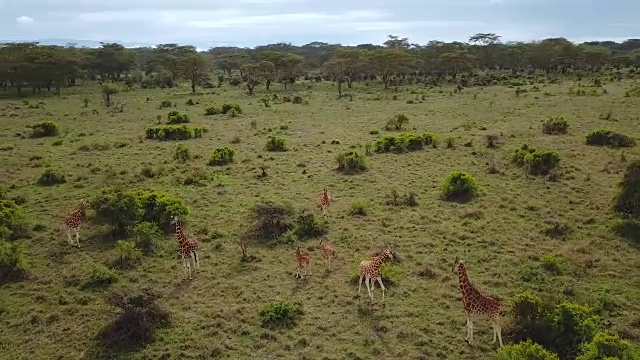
x: 188, y: 248
x: 73, y: 222
x: 304, y: 261
x: 325, y: 200
x: 328, y: 252
x: 476, y: 303
x: 370, y: 271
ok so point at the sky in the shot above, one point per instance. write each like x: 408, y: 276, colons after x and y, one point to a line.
x: 208, y: 23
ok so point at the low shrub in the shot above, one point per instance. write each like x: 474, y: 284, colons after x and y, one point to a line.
x: 459, y: 186
x: 351, y: 162
x: 606, y: 345
x: 555, y: 126
x: 182, y: 153
x: 281, y: 314
x: 404, y: 142
x: 609, y: 138
x: 627, y: 201
x: 12, y: 220
x: 541, y: 162
x: 175, y: 117
x: 359, y: 207
x: 147, y: 236
x: 214, y: 110
x: 275, y: 143
x: 297, y: 100
x: 271, y: 219
x: 397, y: 122
x: 307, y: 225
x: 525, y: 350
x: 520, y: 153
x: 44, y: 129
x: 13, y: 265
x: 174, y: 132
x: 129, y: 252
x: 51, y: 176
x: 100, y: 276
x: 226, y: 108
x: 222, y: 156
x: 165, y: 104
x: 140, y: 316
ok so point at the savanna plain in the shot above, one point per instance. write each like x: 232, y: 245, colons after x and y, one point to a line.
x: 553, y: 236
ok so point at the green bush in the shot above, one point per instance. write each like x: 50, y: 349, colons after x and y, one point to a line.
x: 403, y: 142
x: 555, y: 126
x: 147, y: 236
x: 609, y: 138
x: 351, y: 162
x: 281, y: 314
x: 541, y: 162
x: 609, y: 346
x: 459, y: 186
x: 13, y: 265
x: 129, y: 252
x: 44, y: 129
x: 174, y: 117
x: 520, y: 153
x: 297, y: 100
x: 229, y: 107
x: 214, y: 110
x: 222, y: 156
x: 627, y: 201
x: 51, y: 177
x: 122, y: 211
x: 276, y: 143
x: 182, y: 153
x: 359, y: 207
x: 165, y: 104
x: 526, y: 350
x: 100, y: 276
x: 12, y: 220
x: 174, y: 132
x: 307, y: 225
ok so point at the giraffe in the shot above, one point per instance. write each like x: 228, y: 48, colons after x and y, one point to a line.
x: 325, y: 200
x: 188, y: 248
x: 328, y: 252
x: 370, y: 270
x: 476, y: 303
x: 73, y: 222
x: 304, y: 260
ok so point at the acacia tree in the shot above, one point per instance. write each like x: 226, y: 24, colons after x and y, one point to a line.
x: 387, y: 62
x: 346, y: 64
x: 195, y: 68
x: 252, y: 76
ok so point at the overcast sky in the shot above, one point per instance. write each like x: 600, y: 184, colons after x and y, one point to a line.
x: 206, y: 23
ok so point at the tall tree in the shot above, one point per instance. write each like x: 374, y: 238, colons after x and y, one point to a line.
x: 196, y: 69
x: 388, y: 62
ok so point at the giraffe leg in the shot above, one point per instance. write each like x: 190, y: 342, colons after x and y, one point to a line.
x: 69, y: 240
x: 195, y: 253
x: 360, y: 283
x: 470, y: 331
x: 77, y: 238
x: 193, y: 259
x: 184, y: 264
x: 381, y: 286
x: 367, y: 281
x: 466, y: 338
x: 497, y: 330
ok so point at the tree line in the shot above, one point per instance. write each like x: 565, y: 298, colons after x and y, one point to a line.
x: 32, y: 66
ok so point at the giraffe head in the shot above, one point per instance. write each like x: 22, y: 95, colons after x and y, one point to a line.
x: 175, y: 220
x: 458, y: 264
x: 387, y: 253
x: 85, y: 202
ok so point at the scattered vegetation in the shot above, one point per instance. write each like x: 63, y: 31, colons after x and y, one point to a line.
x: 52, y: 176
x: 174, y: 132
x: 404, y: 142
x: 175, y: 117
x: 13, y: 265
x: 182, y: 153
x: 351, y: 162
x: 536, y: 162
x: 44, y: 129
x: 276, y: 143
x: 281, y: 314
x: 609, y: 138
x: 397, y: 122
x: 627, y: 201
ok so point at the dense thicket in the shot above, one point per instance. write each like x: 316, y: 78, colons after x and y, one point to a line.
x: 396, y: 61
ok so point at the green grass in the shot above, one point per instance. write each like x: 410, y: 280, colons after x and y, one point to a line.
x: 50, y: 314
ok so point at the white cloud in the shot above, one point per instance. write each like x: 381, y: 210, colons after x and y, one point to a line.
x: 24, y: 20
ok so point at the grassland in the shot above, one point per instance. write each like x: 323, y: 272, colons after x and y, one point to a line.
x: 500, y: 234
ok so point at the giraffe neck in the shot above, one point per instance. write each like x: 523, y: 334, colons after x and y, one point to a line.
x: 378, y: 260
x: 465, y: 285
x: 181, y: 238
x: 81, y: 209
